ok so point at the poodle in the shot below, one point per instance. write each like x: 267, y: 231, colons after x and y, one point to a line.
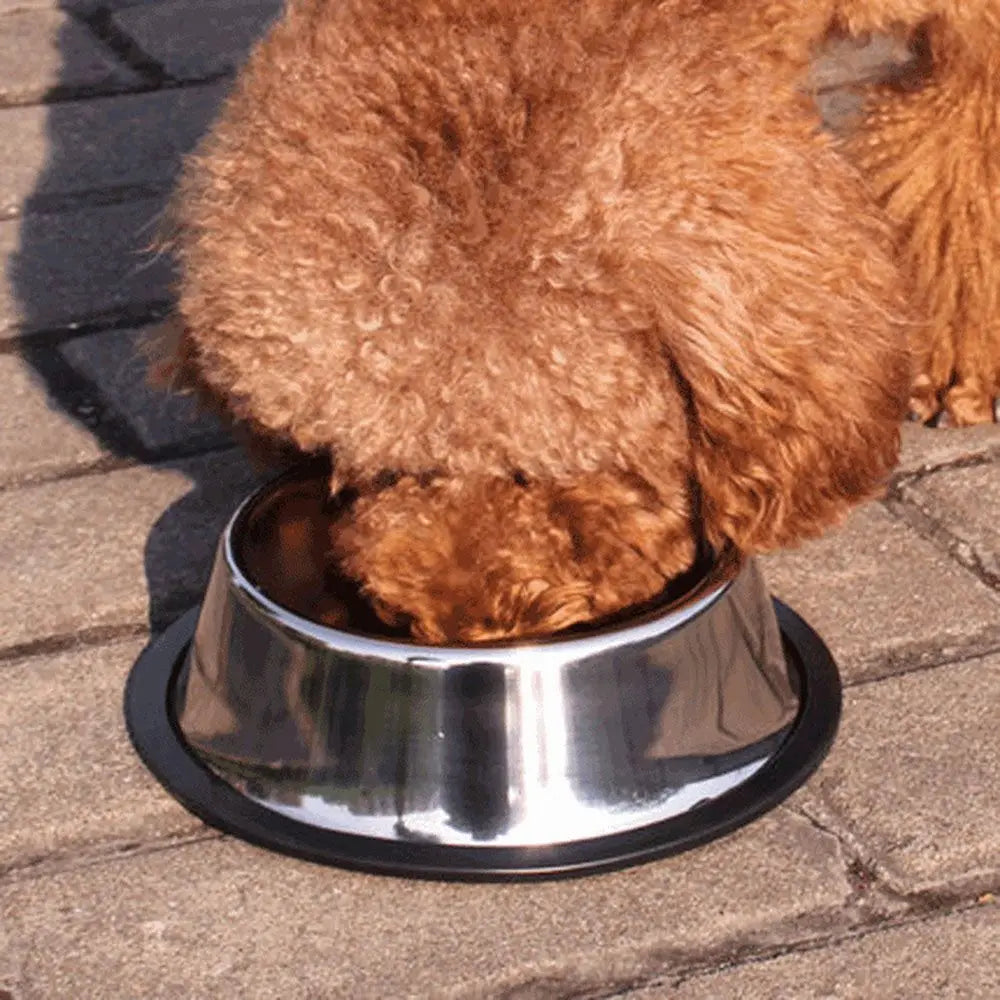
x: 572, y: 291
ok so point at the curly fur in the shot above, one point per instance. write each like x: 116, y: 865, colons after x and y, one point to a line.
x: 933, y: 159
x: 556, y: 554
x: 563, y: 285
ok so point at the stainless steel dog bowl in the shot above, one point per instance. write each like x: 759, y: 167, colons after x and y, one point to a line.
x: 590, y: 750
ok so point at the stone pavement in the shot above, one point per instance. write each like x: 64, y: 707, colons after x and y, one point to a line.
x: 878, y: 880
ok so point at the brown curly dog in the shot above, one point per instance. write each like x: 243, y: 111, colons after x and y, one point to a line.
x: 565, y: 286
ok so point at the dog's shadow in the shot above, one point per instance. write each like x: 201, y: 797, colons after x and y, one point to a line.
x: 87, y: 292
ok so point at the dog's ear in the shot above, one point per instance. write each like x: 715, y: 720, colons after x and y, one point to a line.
x: 795, y: 371
x: 769, y: 278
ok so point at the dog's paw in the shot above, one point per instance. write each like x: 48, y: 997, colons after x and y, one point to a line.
x: 964, y: 404
x: 969, y: 403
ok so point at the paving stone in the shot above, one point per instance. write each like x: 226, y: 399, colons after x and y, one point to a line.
x: 914, y: 777
x: 45, y: 51
x: 223, y: 919
x: 67, y: 407
x: 947, y: 958
x: 965, y: 501
x: 67, y: 267
x: 8, y: 6
x: 927, y: 448
x: 116, y: 366
x: 882, y: 597
x: 79, y: 6
x: 113, y: 550
x: 69, y: 779
x: 39, y: 437
x: 55, y: 150
x: 195, y: 40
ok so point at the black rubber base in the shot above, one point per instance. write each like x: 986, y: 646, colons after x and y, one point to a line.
x: 157, y: 738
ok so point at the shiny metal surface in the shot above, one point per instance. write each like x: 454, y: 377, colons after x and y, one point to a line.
x: 545, y: 743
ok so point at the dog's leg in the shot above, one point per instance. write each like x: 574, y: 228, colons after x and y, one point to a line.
x: 933, y: 158
x: 932, y: 155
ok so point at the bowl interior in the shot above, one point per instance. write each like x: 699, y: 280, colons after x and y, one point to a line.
x: 280, y: 541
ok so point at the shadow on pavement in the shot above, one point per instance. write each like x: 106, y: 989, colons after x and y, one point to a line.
x: 88, y: 291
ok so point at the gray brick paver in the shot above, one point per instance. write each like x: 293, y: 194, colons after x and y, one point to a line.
x: 844, y: 62
x: 116, y: 364
x: 965, y: 503
x: 914, y: 777
x: 39, y: 437
x: 94, y: 551
x: 65, y: 408
x: 70, y: 266
x: 251, y: 924
x: 196, y: 40
x: 69, y: 779
x: 883, y: 597
x: 52, y: 151
x: 46, y: 50
x: 926, y: 448
x: 947, y: 958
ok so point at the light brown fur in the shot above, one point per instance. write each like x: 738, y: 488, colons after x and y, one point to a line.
x: 563, y: 286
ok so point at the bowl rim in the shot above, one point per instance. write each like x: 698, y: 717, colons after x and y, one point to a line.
x: 647, y: 625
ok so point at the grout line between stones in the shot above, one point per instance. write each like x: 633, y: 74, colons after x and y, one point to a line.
x: 135, y: 315
x: 67, y: 92
x: 101, y: 24
x: 872, y: 907
x: 83, y: 399
x: 855, y: 83
x: 903, y: 507
x: 924, y: 657
x: 99, y: 466
x: 63, y: 93
x: 877, y: 906
x: 72, y: 860
x: 55, y: 204
x: 862, y: 873
x: 871, y: 889
x: 98, y: 635
x: 195, y: 447
x: 726, y: 956
x: 803, y: 946
x: 901, y: 480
